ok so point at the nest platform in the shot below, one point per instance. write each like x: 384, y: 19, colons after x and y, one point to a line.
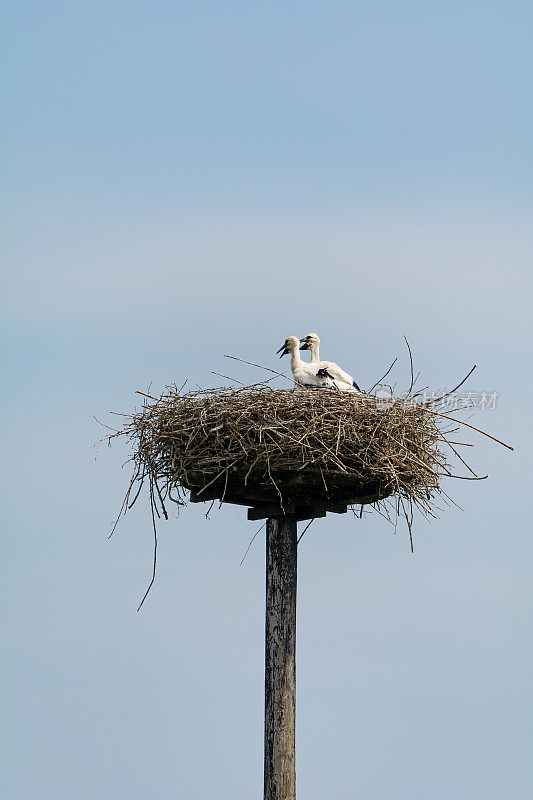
x: 285, y: 451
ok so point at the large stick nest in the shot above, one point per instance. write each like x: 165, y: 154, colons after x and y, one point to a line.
x: 303, y: 450
x: 258, y: 444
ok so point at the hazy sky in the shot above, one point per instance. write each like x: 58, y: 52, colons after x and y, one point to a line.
x: 188, y: 179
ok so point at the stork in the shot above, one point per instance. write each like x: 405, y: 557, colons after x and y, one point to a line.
x: 305, y: 374
x: 343, y: 380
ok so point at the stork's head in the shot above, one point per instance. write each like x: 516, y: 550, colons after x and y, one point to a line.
x: 289, y: 346
x: 310, y: 339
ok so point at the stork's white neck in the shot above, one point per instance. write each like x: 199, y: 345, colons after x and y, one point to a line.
x: 315, y: 351
x: 295, y: 358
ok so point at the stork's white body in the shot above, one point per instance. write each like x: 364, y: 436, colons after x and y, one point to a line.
x: 342, y: 379
x: 303, y: 372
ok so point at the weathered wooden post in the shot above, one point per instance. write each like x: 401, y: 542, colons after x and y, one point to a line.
x: 280, y: 658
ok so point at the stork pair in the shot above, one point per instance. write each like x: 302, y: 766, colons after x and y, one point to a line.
x: 315, y: 373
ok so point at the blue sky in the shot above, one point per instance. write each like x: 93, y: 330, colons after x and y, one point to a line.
x: 185, y: 180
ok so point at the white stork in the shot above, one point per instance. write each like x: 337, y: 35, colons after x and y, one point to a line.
x: 305, y: 374
x: 342, y: 379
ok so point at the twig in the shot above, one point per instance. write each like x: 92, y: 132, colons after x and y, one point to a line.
x: 119, y: 516
x: 220, y: 375
x: 251, y: 542
x: 305, y: 529
x: 469, y: 468
x: 382, y: 377
x: 438, y: 399
x: 261, y: 367
x: 155, y: 550
x: 412, y: 370
x: 138, y: 391
x: 467, y: 477
x: 467, y: 424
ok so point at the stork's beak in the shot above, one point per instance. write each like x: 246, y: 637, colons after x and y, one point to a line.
x: 305, y: 346
x: 283, y: 350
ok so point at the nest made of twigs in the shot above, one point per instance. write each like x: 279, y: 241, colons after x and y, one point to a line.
x: 307, y: 449
x: 257, y: 444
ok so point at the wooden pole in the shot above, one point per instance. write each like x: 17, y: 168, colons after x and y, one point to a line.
x: 280, y: 658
